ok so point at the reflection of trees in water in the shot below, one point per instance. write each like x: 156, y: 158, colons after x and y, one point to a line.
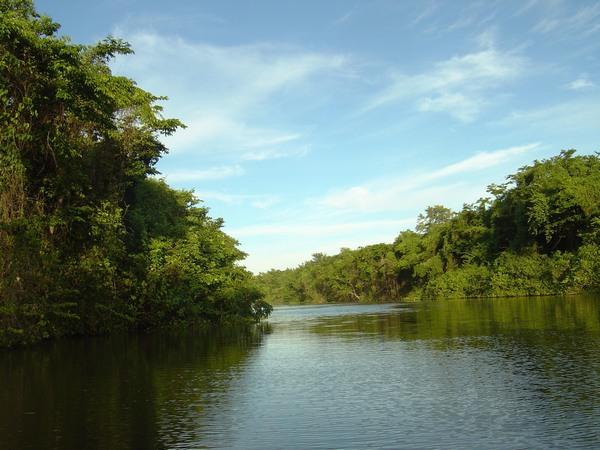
x: 117, y: 392
x: 549, y: 344
x: 172, y: 388
x: 470, y: 318
x: 187, y: 402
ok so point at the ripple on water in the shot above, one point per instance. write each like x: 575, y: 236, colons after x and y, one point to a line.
x: 503, y: 373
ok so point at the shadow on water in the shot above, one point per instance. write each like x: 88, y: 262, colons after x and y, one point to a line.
x: 119, y: 391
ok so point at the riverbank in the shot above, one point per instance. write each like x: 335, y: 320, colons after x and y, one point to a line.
x: 91, y: 241
x: 538, y: 234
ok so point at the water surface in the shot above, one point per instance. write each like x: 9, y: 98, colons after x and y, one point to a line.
x: 503, y: 373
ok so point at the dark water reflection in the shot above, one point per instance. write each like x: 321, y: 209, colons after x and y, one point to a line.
x: 139, y: 392
x: 504, y: 373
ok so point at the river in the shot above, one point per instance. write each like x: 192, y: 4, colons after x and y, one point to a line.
x: 501, y: 373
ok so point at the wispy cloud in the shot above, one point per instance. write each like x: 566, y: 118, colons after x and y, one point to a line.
x: 429, y: 10
x: 582, y: 22
x: 260, y: 201
x: 526, y: 7
x: 420, y: 191
x: 461, y: 22
x: 320, y: 228
x: 463, y: 107
x: 308, y: 229
x: 210, y: 174
x: 345, y: 17
x: 456, y: 86
x: 399, y: 196
x: 547, y: 25
x: 170, y: 19
x: 481, y: 161
x: 276, y: 153
x: 224, y: 93
x: 579, y: 115
x: 580, y: 83
x: 265, y: 201
x: 442, y: 18
x: 205, y: 132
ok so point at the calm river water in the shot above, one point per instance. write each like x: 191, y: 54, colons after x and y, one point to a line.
x: 505, y: 373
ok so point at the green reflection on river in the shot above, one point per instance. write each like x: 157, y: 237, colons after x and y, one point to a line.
x: 493, y: 373
x: 469, y: 318
x: 116, y: 392
x: 551, y: 340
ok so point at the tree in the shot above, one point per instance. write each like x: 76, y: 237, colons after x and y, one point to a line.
x: 538, y: 235
x: 80, y: 221
x: 434, y: 215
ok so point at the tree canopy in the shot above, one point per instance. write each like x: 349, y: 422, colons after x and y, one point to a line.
x: 537, y: 234
x: 90, y: 241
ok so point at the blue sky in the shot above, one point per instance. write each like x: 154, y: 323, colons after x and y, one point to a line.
x: 315, y: 125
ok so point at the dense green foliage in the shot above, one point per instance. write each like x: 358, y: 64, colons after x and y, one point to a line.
x: 538, y: 234
x: 89, y: 241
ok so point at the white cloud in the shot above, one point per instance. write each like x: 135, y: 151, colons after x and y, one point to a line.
x: 526, y: 7
x: 203, y: 133
x: 255, y: 71
x: 481, y: 161
x: 427, y: 12
x: 584, y: 21
x: 344, y: 18
x: 164, y: 19
x: 321, y: 226
x: 547, y: 25
x: 210, y: 174
x: 462, y: 107
x: 319, y: 229
x: 264, y: 202
x: 455, y: 86
x: 398, y: 195
x: 462, y: 22
x: 261, y: 259
x: 580, y: 83
x: 276, y: 153
x: 579, y: 115
x: 223, y: 93
x: 260, y: 201
x: 420, y: 191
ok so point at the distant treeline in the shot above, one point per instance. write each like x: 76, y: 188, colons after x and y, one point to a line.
x: 89, y: 240
x: 537, y: 234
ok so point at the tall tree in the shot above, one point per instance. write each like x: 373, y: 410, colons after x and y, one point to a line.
x: 78, y: 220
